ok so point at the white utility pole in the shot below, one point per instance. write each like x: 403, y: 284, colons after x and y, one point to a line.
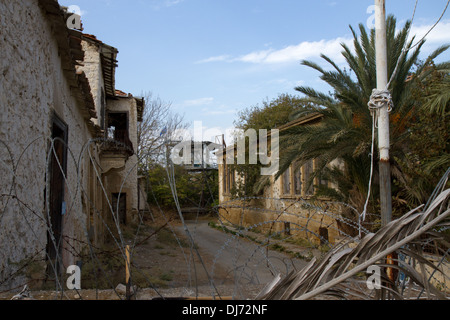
x: 383, y: 113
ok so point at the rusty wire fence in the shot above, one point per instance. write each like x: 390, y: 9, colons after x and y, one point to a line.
x: 241, y: 250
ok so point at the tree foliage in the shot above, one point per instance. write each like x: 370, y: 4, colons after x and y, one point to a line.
x: 192, y: 189
x: 269, y: 115
x: 158, y: 117
x: 419, y: 118
x: 422, y: 167
x: 345, y: 133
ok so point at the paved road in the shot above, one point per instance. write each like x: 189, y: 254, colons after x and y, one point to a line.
x: 240, y: 260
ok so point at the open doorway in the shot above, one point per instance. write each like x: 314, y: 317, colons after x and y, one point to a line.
x: 122, y: 200
x: 324, y: 236
x: 57, y: 171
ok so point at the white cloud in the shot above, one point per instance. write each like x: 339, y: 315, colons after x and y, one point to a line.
x: 170, y: 3
x: 198, y: 102
x: 332, y: 48
x: 256, y: 56
x: 218, y: 111
x: 438, y: 36
x: 160, y: 4
x: 290, y: 54
x: 304, y: 50
x: 224, y: 57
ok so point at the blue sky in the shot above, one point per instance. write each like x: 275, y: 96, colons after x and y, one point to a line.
x: 212, y: 58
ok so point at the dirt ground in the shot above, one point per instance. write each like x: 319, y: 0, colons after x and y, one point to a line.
x: 164, y: 265
x: 179, y: 270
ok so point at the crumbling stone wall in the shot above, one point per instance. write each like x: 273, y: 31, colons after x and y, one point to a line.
x: 125, y: 180
x: 276, y: 213
x: 92, y: 67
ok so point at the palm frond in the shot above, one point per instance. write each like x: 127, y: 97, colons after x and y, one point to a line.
x: 338, y: 273
x: 438, y: 101
x: 316, y: 97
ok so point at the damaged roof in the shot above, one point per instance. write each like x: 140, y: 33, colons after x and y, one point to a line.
x: 72, y: 54
x: 140, y: 102
x: 108, y: 56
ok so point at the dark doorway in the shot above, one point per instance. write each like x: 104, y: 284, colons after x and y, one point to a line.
x: 287, y: 228
x: 122, y: 199
x: 57, y: 171
x: 324, y: 237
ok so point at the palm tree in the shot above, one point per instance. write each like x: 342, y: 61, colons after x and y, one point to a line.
x: 437, y: 97
x: 345, y: 132
x: 422, y: 167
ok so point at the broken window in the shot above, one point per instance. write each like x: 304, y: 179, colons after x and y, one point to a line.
x: 298, y: 181
x: 224, y: 179
x: 117, y: 130
x: 230, y: 179
x: 323, y: 181
x: 287, y: 182
x: 308, y: 172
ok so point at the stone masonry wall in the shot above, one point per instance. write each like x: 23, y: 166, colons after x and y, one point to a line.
x: 274, y: 213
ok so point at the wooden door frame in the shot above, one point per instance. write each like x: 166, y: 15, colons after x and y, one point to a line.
x: 59, y: 134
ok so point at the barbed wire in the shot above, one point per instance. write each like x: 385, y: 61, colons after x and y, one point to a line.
x: 297, y: 215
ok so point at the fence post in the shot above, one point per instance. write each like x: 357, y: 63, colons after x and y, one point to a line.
x: 127, y: 273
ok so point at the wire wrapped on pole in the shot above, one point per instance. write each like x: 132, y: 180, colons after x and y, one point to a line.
x: 379, y: 99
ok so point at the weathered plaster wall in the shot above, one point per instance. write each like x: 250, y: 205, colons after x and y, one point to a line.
x: 92, y: 66
x: 125, y: 180
x: 32, y: 87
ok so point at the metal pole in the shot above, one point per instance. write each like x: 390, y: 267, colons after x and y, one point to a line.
x: 383, y: 114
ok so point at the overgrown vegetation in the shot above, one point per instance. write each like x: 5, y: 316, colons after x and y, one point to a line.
x: 269, y: 115
x: 419, y: 124
x: 193, y: 189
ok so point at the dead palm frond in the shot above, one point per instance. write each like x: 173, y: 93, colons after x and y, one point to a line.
x: 409, y: 273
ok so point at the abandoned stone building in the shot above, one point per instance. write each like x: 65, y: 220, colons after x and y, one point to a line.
x: 287, y: 204
x: 68, y: 141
